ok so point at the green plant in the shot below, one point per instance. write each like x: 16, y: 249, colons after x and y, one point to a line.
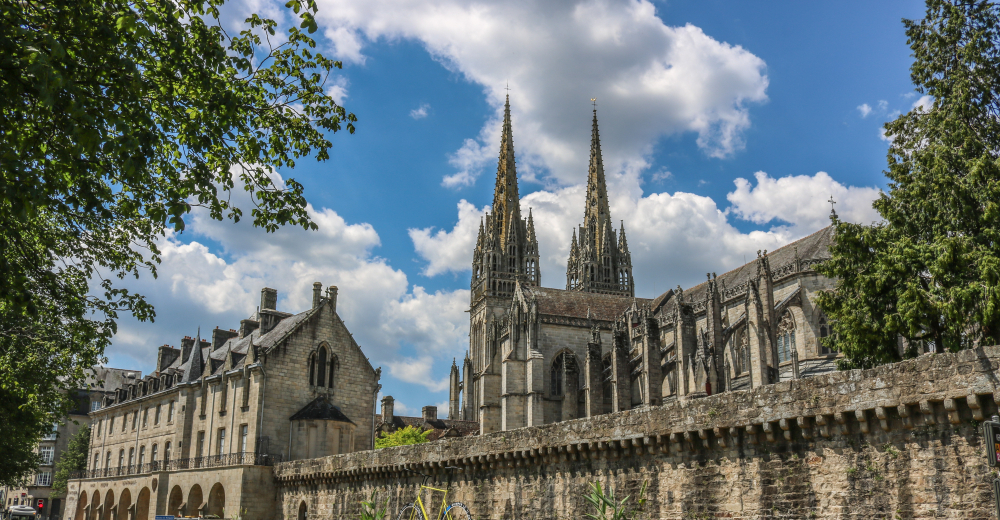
x: 402, y: 437
x: 608, y: 507
x: 890, y: 450
x: 370, y: 509
x: 74, y: 458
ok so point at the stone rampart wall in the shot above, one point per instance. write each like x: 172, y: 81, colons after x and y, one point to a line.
x: 899, y: 441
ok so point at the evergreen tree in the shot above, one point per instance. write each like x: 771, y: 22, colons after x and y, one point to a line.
x: 929, y: 274
x: 73, y: 458
x: 402, y: 437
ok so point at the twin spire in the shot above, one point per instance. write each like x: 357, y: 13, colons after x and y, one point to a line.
x: 507, y: 248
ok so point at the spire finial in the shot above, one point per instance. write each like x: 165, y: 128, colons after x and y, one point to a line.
x: 594, y: 101
x: 833, y: 211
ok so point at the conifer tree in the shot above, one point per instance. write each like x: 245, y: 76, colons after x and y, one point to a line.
x: 928, y: 275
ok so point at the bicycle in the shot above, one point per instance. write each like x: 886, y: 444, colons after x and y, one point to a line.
x: 417, y: 511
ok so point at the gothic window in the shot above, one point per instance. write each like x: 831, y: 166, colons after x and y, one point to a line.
x: 333, y: 369
x: 321, y: 369
x: 741, y: 349
x: 786, y: 337
x: 557, y: 375
x: 606, y: 377
x: 824, y: 332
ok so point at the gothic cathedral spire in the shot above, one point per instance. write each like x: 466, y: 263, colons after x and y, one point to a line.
x: 600, y: 262
x: 507, y: 249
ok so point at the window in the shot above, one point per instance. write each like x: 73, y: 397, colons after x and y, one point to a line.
x: 824, y: 332
x: 107, y: 460
x: 100, y: 422
x: 111, y: 425
x: 121, y: 458
x: 145, y: 418
x: 244, y: 432
x: 46, y: 453
x: 124, y: 422
x: 201, y: 444
x: 97, y: 460
x: 43, y: 478
x: 321, y: 373
x: 142, y: 455
x: 152, y: 453
x: 170, y: 412
x: 131, y: 456
x: 221, y: 443
x: 51, y: 436
x: 95, y: 406
x: 786, y: 337
x: 166, y: 452
x: 557, y: 375
x: 135, y: 420
x: 156, y: 418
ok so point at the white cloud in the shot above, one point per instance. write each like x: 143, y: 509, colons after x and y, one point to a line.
x: 416, y: 371
x: 650, y: 79
x: 674, y: 238
x: 801, y: 201
x: 338, y: 90
x: 217, y: 285
x: 924, y: 104
x: 883, y: 105
x: 661, y: 175
x: 865, y: 109
x: 420, y: 112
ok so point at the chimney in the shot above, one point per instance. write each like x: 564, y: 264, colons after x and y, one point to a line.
x: 331, y: 294
x: 186, y: 345
x: 221, y: 336
x: 317, y: 294
x: 430, y: 413
x: 166, y: 357
x: 268, y: 298
x: 387, y: 409
x: 247, y: 327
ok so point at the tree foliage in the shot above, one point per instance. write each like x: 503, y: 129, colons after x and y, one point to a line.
x: 116, y: 119
x: 929, y: 275
x: 73, y: 458
x: 402, y: 437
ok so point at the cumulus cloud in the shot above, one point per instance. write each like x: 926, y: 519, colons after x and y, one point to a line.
x: 420, y: 112
x: 924, y: 103
x: 865, y: 109
x: 213, y: 278
x: 674, y: 238
x: 651, y: 79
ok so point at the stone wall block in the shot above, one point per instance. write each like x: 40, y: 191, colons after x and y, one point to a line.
x: 751, y: 430
x: 824, y: 425
x: 951, y: 406
x: 883, y: 417
x: 977, y: 410
x: 904, y: 413
x: 785, y: 426
x: 805, y: 427
x: 862, y: 417
x: 927, y: 409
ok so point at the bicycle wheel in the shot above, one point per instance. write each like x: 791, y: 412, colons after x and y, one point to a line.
x: 457, y: 511
x: 410, y: 512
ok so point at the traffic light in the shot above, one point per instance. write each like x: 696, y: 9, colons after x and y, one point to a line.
x: 991, y: 438
x: 41, y: 503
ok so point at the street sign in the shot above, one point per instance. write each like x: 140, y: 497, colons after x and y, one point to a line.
x: 991, y: 438
x: 164, y: 517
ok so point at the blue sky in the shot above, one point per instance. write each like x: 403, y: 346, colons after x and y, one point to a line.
x: 725, y: 127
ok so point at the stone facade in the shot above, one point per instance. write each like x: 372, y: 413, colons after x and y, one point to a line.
x: 539, y: 355
x: 215, y: 413
x: 898, y: 441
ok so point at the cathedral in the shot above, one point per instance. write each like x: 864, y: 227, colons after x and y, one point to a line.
x: 541, y: 355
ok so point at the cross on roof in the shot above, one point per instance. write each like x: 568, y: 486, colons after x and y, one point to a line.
x: 594, y: 101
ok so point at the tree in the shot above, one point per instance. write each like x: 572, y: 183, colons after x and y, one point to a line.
x: 73, y: 458
x: 116, y: 119
x: 402, y: 437
x: 929, y: 274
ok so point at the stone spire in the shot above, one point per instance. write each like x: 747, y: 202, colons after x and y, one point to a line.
x: 506, y: 199
x: 600, y: 261
x: 597, y: 190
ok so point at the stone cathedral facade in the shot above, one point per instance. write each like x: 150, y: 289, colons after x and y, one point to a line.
x: 540, y: 355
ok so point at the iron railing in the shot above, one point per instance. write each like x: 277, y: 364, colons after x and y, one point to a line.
x: 212, y: 461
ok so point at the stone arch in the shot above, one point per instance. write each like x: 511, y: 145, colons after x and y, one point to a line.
x: 303, y: 511
x: 786, y: 336
x: 175, y: 501
x: 95, y: 505
x: 124, y: 505
x: 142, y: 505
x: 216, y: 501
x: 109, y: 505
x: 195, y: 501
x: 81, y: 507
x: 562, y: 370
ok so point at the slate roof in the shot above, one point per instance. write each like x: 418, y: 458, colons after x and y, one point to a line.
x: 813, y: 247
x: 320, y: 409
x: 574, y: 304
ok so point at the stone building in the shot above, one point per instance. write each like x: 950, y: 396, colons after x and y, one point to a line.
x: 37, y: 491
x: 539, y: 355
x: 388, y: 422
x: 197, y: 436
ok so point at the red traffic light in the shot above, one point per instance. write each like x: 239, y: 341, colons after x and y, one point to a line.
x: 41, y: 503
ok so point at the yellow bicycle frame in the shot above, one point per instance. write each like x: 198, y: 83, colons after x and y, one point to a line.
x: 444, y: 502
